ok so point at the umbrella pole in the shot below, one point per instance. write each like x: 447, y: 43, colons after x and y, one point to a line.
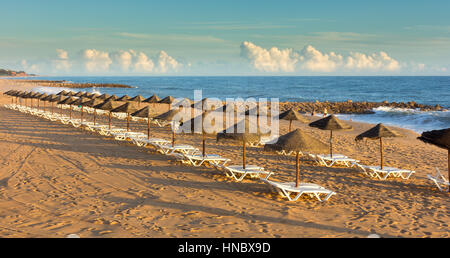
x: 109, y: 119
x: 290, y: 125
x: 148, y: 127
x: 204, y: 149
x: 52, y: 108
x: 70, y: 112
x: 331, y: 143
x: 297, y: 182
x: 81, y: 114
x: 173, y: 137
x: 95, y: 112
x: 128, y: 122
x: 243, y: 156
x: 381, y: 152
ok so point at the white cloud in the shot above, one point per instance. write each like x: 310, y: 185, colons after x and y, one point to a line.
x: 143, y: 63
x: 62, y: 63
x: 311, y: 59
x: 96, y: 61
x: 269, y: 60
x: 166, y: 63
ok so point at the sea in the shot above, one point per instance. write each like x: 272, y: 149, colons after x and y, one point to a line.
x: 429, y: 90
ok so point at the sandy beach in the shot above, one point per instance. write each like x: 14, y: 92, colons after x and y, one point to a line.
x: 57, y: 180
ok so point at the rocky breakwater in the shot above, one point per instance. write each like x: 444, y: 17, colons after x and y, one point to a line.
x: 66, y: 84
x: 351, y: 107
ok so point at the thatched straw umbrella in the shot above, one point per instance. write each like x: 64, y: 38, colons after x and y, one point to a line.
x: 292, y: 115
x: 206, y: 129
x: 170, y: 116
x: 42, y: 97
x: 297, y: 141
x: 62, y: 93
x: 28, y: 96
x: 331, y: 123
x: 22, y: 96
x: 11, y: 94
x: 57, y: 99
x: 251, y: 132
x: 78, y: 94
x: 35, y: 95
x: 112, y: 97
x: 92, y: 103
x: 18, y: 95
x: 48, y: 99
x: 152, y: 100
x: 378, y: 132
x: 108, y: 106
x: 138, y: 99
x: 129, y: 107
x: 104, y: 96
x: 69, y: 94
x: 440, y: 138
x: 124, y: 98
x: 67, y: 101
x: 81, y: 102
x: 213, y: 105
x: 94, y: 95
x: 144, y: 113
x: 167, y: 100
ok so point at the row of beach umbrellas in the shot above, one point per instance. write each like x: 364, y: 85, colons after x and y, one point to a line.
x: 295, y: 141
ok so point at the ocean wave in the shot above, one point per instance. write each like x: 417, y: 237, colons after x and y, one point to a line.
x: 413, y: 119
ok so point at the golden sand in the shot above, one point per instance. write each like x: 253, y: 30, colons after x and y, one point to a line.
x: 56, y: 180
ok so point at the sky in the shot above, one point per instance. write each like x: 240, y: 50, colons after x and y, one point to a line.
x: 226, y: 38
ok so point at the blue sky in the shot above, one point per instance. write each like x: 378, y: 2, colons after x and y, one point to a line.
x: 228, y: 37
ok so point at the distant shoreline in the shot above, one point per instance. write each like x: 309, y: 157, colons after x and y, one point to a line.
x: 66, y: 84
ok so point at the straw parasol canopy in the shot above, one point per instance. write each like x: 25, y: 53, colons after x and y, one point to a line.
x: 63, y: 93
x: 43, y: 96
x: 152, y: 99
x: 108, y: 106
x: 297, y: 141
x: 92, y: 103
x: 244, y: 131
x: 170, y: 116
x: 144, y: 113
x: 78, y: 94
x: 292, y: 115
x: 167, y: 100
x: 210, y: 129
x: 440, y: 138
x: 68, y: 101
x: 138, y: 98
x: 124, y: 98
x: 104, y: 96
x: 81, y: 102
x: 129, y: 107
x: 112, y: 97
x: 380, y: 131
x: 331, y: 123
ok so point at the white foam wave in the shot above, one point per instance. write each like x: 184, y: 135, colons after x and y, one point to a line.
x: 413, y: 119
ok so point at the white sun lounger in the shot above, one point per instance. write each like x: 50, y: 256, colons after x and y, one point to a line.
x: 123, y: 136
x: 337, y: 159
x: 286, y: 190
x: 250, y: 170
x: 197, y: 159
x: 440, y: 181
x: 142, y: 141
x: 383, y: 174
x: 167, y: 149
